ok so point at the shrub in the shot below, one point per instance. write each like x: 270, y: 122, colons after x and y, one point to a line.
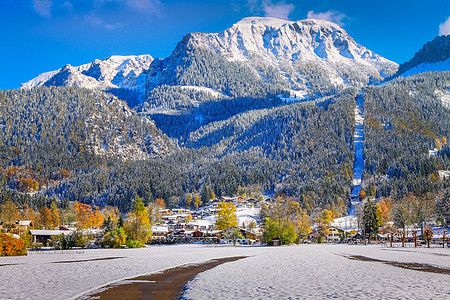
x: 114, y: 238
x: 135, y: 244
x: 10, y: 246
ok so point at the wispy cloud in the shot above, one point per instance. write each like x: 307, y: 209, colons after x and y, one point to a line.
x: 267, y: 8
x: 43, y: 8
x: 151, y: 7
x: 279, y: 10
x: 68, y: 5
x: 444, y: 28
x: 95, y: 21
x: 330, y: 16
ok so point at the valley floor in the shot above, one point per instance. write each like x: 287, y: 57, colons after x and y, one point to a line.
x: 303, y: 271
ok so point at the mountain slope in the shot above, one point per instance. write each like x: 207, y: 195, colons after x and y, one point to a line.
x: 121, y: 75
x: 433, y: 56
x: 68, y: 122
x: 406, y: 133
x: 267, y: 54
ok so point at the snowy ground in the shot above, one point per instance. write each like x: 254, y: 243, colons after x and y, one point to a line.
x: 323, y: 271
x: 45, y: 276
x: 304, y: 271
x: 428, y: 67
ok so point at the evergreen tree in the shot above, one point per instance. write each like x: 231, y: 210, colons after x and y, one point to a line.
x: 370, y: 220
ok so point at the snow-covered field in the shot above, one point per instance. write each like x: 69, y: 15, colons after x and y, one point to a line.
x: 304, y: 271
x: 323, y: 271
x: 38, y: 276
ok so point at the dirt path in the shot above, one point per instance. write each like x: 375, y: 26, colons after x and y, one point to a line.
x: 409, y: 266
x: 168, y: 284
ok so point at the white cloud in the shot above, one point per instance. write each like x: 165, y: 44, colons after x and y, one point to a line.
x: 444, y: 28
x: 280, y: 10
x: 95, y: 21
x: 149, y: 7
x: 43, y: 8
x: 153, y: 7
x: 330, y: 16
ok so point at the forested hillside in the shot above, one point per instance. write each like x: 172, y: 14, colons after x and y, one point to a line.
x: 49, y: 136
x: 405, y: 120
x: 437, y: 50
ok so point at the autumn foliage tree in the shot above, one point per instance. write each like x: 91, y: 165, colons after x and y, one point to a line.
x: 10, y: 246
x: 323, y: 222
x: 303, y: 223
x: 385, y: 207
x: 9, y: 213
x: 56, y: 219
x: 160, y: 202
x: 197, y: 201
x: 87, y: 217
x: 138, y: 227
x: 280, y: 220
x: 428, y: 235
x: 45, y: 217
x: 226, y: 216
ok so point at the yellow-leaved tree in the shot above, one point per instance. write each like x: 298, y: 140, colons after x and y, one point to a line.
x: 138, y: 227
x: 323, y: 222
x: 197, y: 201
x: 303, y: 223
x: 226, y: 216
x: 56, y: 219
x: 9, y: 213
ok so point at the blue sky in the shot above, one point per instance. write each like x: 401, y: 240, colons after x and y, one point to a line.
x: 44, y: 35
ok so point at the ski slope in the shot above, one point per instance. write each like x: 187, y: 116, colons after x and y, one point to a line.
x: 358, y: 167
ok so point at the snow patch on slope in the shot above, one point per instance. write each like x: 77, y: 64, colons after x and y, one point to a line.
x: 213, y: 92
x: 428, y: 67
x: 444, y: 95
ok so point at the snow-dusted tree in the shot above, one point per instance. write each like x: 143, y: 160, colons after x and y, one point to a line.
x: 370, y: 220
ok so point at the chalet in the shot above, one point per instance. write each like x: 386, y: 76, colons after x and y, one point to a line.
x: 160, y: 232
x: 42, y: 236
x: 24, y: 226
x: 444, y: 174
x: 334, y: 235
x: 275, y: 242
x: 198, y: 235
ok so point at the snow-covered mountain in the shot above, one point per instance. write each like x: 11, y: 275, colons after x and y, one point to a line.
x: 433, y: 56
x: 114, y: 74
x: 299, y: 56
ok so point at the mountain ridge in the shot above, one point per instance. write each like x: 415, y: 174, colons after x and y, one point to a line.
x: 433, y: 56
